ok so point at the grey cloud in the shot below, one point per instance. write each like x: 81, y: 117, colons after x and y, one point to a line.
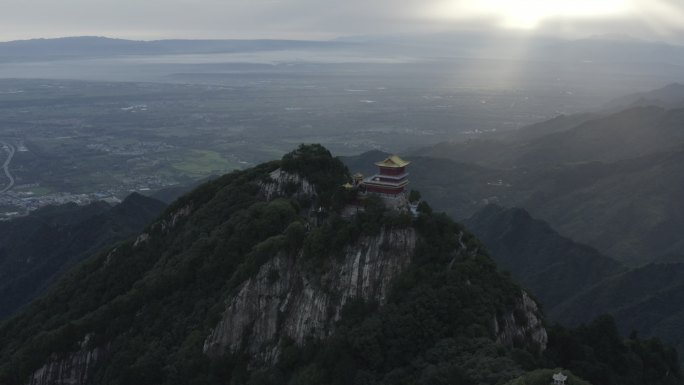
x: 151, y: 19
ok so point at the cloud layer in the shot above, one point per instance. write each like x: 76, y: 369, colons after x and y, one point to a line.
x: 323, y: 19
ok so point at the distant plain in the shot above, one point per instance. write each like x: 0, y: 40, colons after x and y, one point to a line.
x: 127, y: 120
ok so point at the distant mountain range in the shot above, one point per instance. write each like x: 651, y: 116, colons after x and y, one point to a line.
x: 575, y: 283
x: 670, y: 96
x: 92, y: 46
x: 642, y: 128
x: 37, y: 249
x: 612, y: 181
x: 443, y: 46
x: 628, y: 210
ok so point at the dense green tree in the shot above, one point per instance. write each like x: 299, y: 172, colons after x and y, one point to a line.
x: 414, y: 196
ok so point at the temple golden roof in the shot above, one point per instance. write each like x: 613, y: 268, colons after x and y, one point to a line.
x: 393, y: 161
x: 347, y: 185
x: 358, y: 175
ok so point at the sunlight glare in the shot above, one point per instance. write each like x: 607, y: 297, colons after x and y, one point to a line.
x: 527, y: 14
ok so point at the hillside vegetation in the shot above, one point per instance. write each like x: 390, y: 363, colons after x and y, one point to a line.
x: 551, y: 266
x: 35, y: 250
x: 147, y: 310
x: 575, y: 283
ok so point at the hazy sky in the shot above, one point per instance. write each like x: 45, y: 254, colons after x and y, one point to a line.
x: 324, y: 19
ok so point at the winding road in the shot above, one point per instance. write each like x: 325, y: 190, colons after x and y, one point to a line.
x: 5, y: 167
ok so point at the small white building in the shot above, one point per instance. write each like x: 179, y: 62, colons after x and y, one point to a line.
x: 559, y: 378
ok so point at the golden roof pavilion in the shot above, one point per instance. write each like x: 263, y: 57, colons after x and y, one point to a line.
x: 393, y: 161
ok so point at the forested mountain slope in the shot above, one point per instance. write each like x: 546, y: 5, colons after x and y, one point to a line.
x: 38, y: 248
x: 575, y: 283
x: 255, y: 278
x: 552, y: 267
x: 647, y: 300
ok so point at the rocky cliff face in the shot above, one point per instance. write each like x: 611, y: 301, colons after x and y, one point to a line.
x: 72, y: 369
x: 522, y: 326
x: 285, y: 300
x: 281, y: 183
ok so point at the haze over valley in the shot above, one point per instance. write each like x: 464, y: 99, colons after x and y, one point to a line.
x: 115, y: 116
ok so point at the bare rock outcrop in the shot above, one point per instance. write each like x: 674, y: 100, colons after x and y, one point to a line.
x: 283, y: 300
x: 522, y: 326
x: 71, y: 369
x: 282, y: 183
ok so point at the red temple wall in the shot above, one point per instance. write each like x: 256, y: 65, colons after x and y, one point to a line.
x: 383, y: 190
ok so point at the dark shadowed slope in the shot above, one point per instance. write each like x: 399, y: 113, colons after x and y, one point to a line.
x: 630, y: 210
x: 576, y: 284
x: 36, y: 249
x: 649, y: 300
x: 553, y: 267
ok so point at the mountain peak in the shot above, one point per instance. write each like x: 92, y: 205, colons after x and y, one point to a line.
x: 135, y: 198
x: 240, y: 273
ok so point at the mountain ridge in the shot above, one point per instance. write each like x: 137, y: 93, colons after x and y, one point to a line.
x: 257, y: 277
x: 670, y: 96
x: 93, y: 46
x: 259, y: 216
x: 40, y: 247
x: 553, y: 267
x: 575, y: 283
x: 590, y: 176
